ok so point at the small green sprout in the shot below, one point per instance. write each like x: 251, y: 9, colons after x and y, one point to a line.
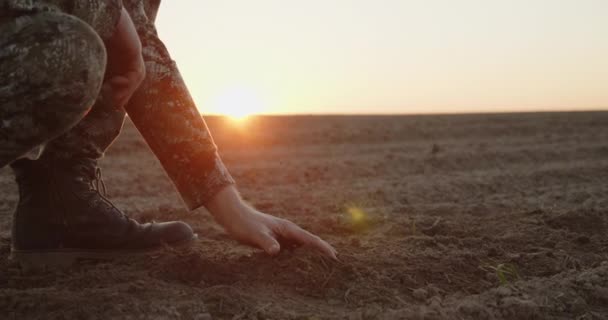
x: 506, y: 273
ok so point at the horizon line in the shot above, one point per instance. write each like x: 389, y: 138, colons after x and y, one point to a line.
x: 603, y: 109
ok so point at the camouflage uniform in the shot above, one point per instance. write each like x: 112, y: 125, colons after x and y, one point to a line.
x: 51, y: 68
x: 161, y: 109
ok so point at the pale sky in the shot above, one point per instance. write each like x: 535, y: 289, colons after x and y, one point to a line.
x: 390, y: 56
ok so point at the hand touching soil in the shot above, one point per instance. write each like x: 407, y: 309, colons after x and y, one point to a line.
x: 258, y: 229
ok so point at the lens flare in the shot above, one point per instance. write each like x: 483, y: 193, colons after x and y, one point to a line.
x: 357, y: 215
x: 359, y: 219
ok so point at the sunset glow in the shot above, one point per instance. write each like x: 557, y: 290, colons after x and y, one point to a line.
x: 238, y: 103
x: 390, y: 56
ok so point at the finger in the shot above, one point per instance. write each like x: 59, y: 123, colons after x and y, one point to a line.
x: 269, y: 244
x: 292, y: 231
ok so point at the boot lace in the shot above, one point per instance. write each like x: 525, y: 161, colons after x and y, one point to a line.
x: 99, y: 186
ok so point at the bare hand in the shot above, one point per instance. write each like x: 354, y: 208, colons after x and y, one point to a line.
x: 261, y: 230
x: 120, y: 88
x: 125, y: 70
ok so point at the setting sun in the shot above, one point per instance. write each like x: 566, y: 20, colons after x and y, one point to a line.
x: 238, y: 103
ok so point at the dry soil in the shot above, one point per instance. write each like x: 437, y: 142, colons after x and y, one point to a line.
x: 435, y: 217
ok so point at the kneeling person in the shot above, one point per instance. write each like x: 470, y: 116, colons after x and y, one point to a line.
x: 52, y: 67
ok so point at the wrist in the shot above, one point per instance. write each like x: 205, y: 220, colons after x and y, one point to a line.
x: 226, y: 203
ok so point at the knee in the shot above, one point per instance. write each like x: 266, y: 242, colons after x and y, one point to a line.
x: 89, y: 62
x: 71, y: 64
x: 83, y: 55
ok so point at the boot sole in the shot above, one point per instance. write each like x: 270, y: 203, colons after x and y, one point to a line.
x: 63, y: 258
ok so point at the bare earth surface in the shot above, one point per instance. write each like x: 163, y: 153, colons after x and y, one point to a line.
x: 435, y: 217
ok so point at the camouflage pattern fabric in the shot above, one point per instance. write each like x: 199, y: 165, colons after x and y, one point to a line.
x: 165, y: 114
x: 51, y: 70
x: 101, y: 15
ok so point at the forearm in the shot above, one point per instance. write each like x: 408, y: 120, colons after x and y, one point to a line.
x: 225, y: 205
x: 165, y: 114
x: 168, y: 119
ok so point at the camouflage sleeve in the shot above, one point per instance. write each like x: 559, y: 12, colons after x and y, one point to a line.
x: 101, y: 15
x: 168, y: 119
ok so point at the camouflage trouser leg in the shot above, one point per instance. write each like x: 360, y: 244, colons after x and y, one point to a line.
x: 90, y: 137
x: 165, y: 114
x: 51, y: 69
x: 96, y: 132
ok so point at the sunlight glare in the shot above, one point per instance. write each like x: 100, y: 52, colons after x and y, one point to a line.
x: 239, y: 103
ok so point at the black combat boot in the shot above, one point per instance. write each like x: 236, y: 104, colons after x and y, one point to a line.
x: 63, y: 216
